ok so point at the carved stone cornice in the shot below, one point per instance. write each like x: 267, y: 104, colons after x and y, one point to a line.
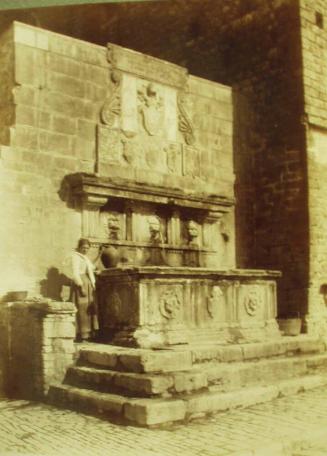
x: 90, y: 189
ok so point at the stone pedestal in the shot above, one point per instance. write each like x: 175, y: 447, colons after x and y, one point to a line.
x: 40, y: 341
x: 162, y: 306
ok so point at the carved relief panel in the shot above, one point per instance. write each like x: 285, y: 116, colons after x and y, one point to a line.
x: 163, y: 303
x: 251, y: 304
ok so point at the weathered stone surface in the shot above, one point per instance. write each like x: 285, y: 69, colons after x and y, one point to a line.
x: 99, y: 357
x: 157, y: 361
x: 144, y: 385
x: 151, y: 412
x: 187, y: 382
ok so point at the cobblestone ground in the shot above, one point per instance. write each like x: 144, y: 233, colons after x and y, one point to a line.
x: 292, y: 426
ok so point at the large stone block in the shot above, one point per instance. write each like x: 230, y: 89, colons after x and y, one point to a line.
x: 152, y: 412
x: 157, y: 361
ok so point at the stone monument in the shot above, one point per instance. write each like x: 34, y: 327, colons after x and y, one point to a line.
x: 162, y: 200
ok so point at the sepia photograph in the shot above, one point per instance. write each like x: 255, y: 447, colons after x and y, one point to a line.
x: 163, y: 228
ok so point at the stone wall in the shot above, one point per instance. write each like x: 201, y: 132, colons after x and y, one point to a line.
x: 314, y: 44
x: 57, y: 86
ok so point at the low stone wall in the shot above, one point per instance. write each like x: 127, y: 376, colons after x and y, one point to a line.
x: 37, y: 346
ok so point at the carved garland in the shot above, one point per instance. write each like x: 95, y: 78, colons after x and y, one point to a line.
x: 185, y: 125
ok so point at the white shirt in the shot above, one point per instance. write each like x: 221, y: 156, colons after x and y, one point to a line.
x: 78, y: 264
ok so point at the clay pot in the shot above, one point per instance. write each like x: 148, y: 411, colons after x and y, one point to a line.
x: 110, y: 257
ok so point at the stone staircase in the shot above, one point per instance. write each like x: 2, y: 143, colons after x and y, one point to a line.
x: 156, y: 387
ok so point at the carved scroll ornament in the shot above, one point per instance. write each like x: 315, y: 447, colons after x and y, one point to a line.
x: 185, y: 125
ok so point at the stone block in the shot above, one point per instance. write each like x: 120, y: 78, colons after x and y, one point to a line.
x: 96, y: 379
x: 24, y: 34
x: 29, y: 66
x: 64, y: 124
x: 67, y: 85
x: 97, y: 75
x: 231, y: 353
x: 99, y: 357
x: 185, y: 382
x: 157, y: 361
x: 149, y: 412
x: 83, y: 148
x: 24, y: 136
x: 25, y: 95
x: 263, y: 350
x: 202, y: 354
x: 144, y: 384
x: 85, y: 399
x: 86, y: 130
x: 55, y: 329
x: 55, y: 142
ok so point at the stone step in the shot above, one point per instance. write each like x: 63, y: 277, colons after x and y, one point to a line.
x: 135, y: 360
x: 181, y: 358
x: 302, y: 344
x: 133, y: 384
x: 154, y: 412
x: 219, y: 376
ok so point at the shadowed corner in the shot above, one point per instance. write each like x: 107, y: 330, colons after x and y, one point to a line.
x: 323, y: 292
x: 56, y: 285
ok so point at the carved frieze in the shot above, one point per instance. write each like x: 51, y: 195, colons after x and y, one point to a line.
x: 215, y: 302
x: 170, y: 303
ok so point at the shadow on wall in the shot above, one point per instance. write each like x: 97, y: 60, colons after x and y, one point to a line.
x: 323, y: 292
x: 56, y: 285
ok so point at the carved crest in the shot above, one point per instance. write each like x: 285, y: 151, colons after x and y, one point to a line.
x: 170, y: 304
x: 252, y: 301
x: 151, y: 109
x: 215, y: 301
x: 185, y: 125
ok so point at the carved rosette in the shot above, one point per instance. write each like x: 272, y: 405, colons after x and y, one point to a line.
x: 185, y: 125
x: 215, y: 301
x: 252, y: 302
x: 170, y: 304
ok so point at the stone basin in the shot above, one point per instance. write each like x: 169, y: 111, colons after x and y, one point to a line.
x: 157, y: 306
